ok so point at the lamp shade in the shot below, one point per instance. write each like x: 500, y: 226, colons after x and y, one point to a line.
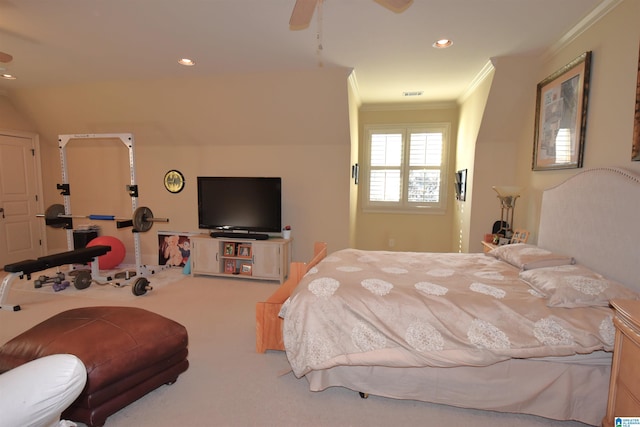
x: 506, y: 191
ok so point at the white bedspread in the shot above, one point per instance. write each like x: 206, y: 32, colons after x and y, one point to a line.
x: 400, y: 309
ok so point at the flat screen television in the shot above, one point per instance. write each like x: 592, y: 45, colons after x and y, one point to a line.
x: 240, y: 204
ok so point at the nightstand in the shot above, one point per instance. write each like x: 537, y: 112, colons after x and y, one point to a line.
x: 624, y: 386
x: 486, y: 246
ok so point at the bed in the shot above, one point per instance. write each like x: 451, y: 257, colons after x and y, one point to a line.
x: 524, y: 329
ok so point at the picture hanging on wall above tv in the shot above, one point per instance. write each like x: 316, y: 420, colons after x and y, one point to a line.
x: 240, y: 204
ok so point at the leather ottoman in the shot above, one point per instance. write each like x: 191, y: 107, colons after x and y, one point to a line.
x: 127, y: 351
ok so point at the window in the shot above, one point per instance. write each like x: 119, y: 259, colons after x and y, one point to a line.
x: 405, y: 168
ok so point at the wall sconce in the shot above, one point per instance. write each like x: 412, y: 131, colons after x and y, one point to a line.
x: 507, y: 196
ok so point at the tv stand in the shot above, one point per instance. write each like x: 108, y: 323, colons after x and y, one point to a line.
x: 240, y: 257
x: 232, y: 235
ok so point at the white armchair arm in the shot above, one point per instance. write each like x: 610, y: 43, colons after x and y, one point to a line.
x: 36, y: 393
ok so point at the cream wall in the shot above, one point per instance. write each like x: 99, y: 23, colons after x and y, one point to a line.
x: 413, y: 232
x: 496, y: 156
x: 354, y: 104
x: 504, y: 145
x: 299, y: 125
x: 11, y: 118
x: 293, y: 124
x: 471, y: 113
x: 614, y: 42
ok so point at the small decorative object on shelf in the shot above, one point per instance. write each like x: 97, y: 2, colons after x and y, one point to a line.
x: 245, y: 269
x: 286, y: 232
x: 520, y: 236
x: 244, y: 251
x: 229, y: 249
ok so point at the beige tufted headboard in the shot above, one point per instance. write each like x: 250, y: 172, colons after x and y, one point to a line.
x: 594, y: 216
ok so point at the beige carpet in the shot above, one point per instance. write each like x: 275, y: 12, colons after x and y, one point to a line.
x: 158, y: 277
x: 228, y: 383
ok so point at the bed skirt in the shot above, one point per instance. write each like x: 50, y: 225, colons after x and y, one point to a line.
x: 557, y: 390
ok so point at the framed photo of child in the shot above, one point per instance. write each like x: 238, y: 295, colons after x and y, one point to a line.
x: 244, y: 251
x: 229, y: 249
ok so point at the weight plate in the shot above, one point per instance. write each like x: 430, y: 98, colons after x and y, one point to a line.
x: 141, y: 217
x: 140, y: 287
x: 52, y: 213
x: 82, y: 280
x: 53, y: 219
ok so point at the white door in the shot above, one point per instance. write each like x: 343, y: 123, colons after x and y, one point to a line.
x: 20, y: 229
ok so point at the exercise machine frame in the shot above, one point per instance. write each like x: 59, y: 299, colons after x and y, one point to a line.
x: 132, y: 188
x: 26, y: 267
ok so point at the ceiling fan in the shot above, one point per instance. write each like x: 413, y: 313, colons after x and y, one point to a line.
x: 5, y: 57
x: 303, y: 11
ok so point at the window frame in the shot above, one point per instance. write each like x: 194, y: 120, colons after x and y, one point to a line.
x: 404, y: 206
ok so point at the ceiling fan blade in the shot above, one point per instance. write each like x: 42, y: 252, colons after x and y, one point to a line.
x: 395, y: 5
x: 5, y: 57
x: 302, y: 14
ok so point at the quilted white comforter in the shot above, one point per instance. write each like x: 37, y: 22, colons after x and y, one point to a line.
x: 401, y: 309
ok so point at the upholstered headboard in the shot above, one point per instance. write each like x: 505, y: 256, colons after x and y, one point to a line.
x: 594, y: 216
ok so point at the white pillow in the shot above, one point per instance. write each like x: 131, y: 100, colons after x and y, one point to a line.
x: 36, y: 393
x: 527, y: 257
x: 575, y: 286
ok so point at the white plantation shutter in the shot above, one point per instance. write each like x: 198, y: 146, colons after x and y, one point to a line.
x: 405, y: 167
x: 425, y: 160
x: 386, y: 160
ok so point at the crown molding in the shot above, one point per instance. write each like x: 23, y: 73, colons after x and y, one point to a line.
x: 477, y: 80
x: 590, y: 19
x: 352, y: 81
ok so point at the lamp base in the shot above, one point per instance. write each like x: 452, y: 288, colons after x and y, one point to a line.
x: 500, y: 227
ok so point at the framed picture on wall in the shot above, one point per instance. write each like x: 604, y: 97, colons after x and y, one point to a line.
x: 561, y: 115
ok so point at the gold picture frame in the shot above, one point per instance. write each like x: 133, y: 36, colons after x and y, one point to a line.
x: 561, y: 116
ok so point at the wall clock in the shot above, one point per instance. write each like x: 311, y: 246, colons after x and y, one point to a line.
x: 174, y: 181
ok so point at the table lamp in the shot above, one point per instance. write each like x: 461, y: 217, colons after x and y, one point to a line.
x: 507, y: 196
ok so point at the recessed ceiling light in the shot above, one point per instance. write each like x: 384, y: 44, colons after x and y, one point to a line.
x: 442, y: 43
x: 7, y: 76
x: 186, y: 61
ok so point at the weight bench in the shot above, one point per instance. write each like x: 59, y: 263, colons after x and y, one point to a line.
x: 127, y: 351
x: 29, y: 266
